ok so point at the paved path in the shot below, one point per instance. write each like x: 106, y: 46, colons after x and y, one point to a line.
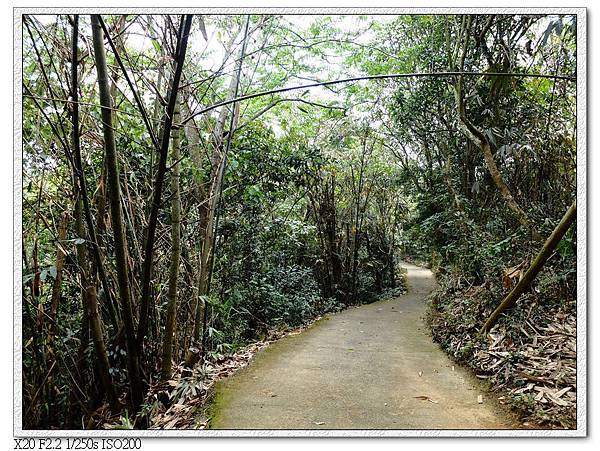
x: 359, y: 369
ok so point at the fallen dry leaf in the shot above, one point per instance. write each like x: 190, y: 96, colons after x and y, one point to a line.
x: 426, y: 398
x: 513, y: 272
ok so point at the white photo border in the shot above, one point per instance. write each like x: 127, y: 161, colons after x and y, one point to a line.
x: 582, y: 313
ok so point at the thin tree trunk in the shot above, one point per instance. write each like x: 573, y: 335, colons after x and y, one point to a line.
x: 98, y: 338
x: 193, y: 138
x: 80, y: 183
x: 480, y: 140
x: 182, y: 41
x: 205, y: 206
x: 84, y: 334
x: 334, y: 245
x: 171, y: 316
x: 357, y: 222
x: 92, y: 315
x: 535, y: 267
x: 133, y: 369
x: 54, y: 301
x: 447, y: 175
x: 218, y: 164
x: 88, y: 279
x: 157, y: 107
x: 60, y: 261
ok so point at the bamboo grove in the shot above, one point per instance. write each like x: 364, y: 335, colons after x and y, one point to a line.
x: 192, y: 183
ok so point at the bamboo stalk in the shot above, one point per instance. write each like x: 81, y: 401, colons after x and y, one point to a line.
x: 114, y: 190
x: 171, y: 317
x: 535, y: 267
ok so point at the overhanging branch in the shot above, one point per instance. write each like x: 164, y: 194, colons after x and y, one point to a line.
x: 377, y: 77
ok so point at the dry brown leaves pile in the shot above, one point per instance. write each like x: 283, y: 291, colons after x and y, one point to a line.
x: 530, y: 355
x: 174, y: 404
x: 541, y: 374
x: 184, y: 396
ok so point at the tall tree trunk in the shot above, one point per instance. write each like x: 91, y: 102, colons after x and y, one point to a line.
x: 535, y: 267
x: 88, y: 278
x: 157, y: 106
x: 198, y: 160
x: 171, y: 316
x: 80, y: 183
x: 182, y: 40
x: 218, y: 165
x: 133, y: 370
x: 481, y: 141
x: 331, y: 227
x: 358, y: 190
